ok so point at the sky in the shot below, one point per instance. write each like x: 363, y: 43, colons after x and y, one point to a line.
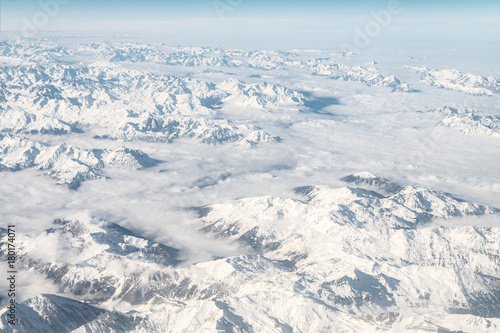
x: 318, y: 21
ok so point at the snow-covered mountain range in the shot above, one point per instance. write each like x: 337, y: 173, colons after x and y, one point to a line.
x: 222, y: 191
x: 455, y: 80
x: 340, y: 254
x: 67, y: 164
x: 469, y: 122
x: 128, y: 105
x: 369, y: 76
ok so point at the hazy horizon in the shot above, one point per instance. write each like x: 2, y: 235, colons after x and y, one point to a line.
x: 310, y: 24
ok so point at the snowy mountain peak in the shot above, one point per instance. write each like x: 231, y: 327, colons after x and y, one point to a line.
x: 69, y: 165
x: 370, y: 76
x: 372, y: 182
x: 455, y: 80
x: 112, y: 238
x: 55, y: 314
x: 102, y: 259
x: 470, y: 122
x: 265, y: 222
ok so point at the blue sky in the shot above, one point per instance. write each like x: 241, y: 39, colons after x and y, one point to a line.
x: 82, y: 12
x: 278, y: 19
x: 245, y: 8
